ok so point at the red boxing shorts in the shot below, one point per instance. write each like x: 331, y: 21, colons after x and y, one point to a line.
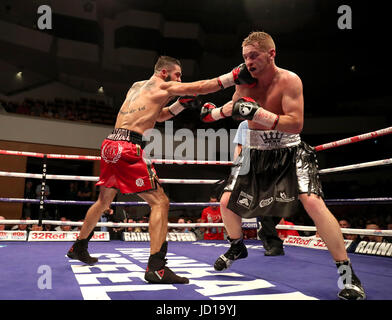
x: 124, y: 165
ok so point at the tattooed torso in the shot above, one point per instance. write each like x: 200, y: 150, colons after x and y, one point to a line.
x: 142, y: 106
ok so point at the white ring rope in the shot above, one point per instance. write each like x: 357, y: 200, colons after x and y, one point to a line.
x: 186, y: 181
x: 366, y: 232
x: 95, y: 179
x: 357, y: 166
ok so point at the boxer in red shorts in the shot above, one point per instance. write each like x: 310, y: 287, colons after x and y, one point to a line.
x: 124, y: 166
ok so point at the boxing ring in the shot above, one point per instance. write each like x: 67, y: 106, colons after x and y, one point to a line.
x: 38, y: 269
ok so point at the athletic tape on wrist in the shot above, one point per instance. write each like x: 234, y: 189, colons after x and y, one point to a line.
x: 175, y: 108
x: 226, y: 80
x: 217, y: 114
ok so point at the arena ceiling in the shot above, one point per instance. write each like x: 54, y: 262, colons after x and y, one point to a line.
x: 337, y: 66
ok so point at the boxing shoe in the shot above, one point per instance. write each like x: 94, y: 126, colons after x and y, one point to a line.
x: 164, y: 276
x: 236, y: 251
x: 79, y: 252
x: 352, y: 287
x: 157, y: 272
x: 274, y: 251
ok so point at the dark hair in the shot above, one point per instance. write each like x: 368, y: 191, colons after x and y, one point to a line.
x: 165, y: 61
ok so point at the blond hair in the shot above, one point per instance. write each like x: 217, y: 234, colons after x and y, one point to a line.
x: 263, y: 40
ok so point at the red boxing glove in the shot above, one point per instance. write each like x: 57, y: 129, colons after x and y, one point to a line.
x: 210, y: 113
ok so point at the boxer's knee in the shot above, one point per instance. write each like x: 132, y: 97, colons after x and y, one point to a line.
x: 310, y: 202
x: 314, y: 205
x: 161, y: 201
x: 224, y: 201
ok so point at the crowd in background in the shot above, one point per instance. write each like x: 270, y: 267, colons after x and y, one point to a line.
x: 82, y: 110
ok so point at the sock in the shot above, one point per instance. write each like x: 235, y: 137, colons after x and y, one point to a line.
x: 157, y: 260
x: 235, y: 241
x: 90, y: 235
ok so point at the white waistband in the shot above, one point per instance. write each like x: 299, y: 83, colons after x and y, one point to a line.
x: 271, y: 139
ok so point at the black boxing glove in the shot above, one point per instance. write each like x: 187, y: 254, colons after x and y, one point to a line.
x: 184, y: 102
x: 247, y: 108
x: 210, y: 113
x: 239, y: 75
x: 190, y: 102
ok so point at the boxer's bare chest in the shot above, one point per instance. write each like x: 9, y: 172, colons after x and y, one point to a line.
x: 269, y: 97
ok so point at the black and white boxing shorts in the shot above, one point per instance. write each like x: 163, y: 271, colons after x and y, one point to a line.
x: 272, y: 169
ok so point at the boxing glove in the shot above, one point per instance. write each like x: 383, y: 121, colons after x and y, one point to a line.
x: 247, y: 108
x: 210, y: 113
x: 184, y: 102
x: 239, y: 75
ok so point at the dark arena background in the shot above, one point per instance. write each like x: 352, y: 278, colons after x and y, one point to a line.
x: 65, y: 69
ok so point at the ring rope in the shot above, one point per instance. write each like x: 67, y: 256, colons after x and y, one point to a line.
x: 95, y: 179
x: 382, y: 200
x: 354, y: 139
x: 357, y: 166
x: 362, y: 137
x: 97, y: 158
x: 188, y: 181
x: 368, y: 232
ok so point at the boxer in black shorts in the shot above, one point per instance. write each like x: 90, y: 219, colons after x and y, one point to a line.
x: 279, y: 168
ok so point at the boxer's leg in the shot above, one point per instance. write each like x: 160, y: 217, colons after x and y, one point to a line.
x: 326, y: 224
x: 233, y: 225
x: 94, y: 213
x: 79, y: 248
x: 329, y: 230
x: 156, y: 271
x: 232, y: 221
x: 159, y: 204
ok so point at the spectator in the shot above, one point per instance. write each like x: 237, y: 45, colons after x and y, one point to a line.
x: 249, y: 233
x: 28, y: 194
x: 66, y: 227
x: 77, y: 228
x: 283, y: 233
x: 137, y: 229
x: 116, y: 233
x: 130, y: 229
x: 212, y: 214
x: 60, y: 228
x: 72, y: 194
x: 22, y: 227
x: 344, y: 223
x: 389, y: 227
x: 36, y: 227
x: 179, y: 229
x: 371, y: 225
x: 46, y: 191
x: 106, y: 217
x: 199, y: 232
x: 36, y: 109
x: 144, y: 220
x: 23, y: 108
x: 84, y: 194
x: 189, y: 229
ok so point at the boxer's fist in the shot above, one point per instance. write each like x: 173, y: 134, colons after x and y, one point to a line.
x: 239, y: 75
x: 192, y: 102
x: 205, y: 112
x: 184, y: 102
x: 247, y: 108
x: 244, y: 108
